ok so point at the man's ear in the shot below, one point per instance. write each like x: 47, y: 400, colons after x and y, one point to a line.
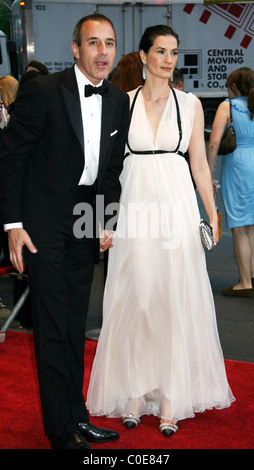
x: 75, y: 50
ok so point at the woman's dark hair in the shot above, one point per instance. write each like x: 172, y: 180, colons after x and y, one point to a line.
x: 151, y: 33
x: 38, y: 66
x: 243, y: 78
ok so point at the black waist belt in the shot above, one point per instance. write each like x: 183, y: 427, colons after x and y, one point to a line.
x: 158, y: 152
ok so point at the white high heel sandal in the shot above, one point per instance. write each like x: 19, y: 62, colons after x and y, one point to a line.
x: 168, y: 428
x: 130, y: 421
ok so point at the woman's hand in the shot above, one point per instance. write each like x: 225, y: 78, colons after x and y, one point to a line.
x: 215, y: 227
x: 106, y: 240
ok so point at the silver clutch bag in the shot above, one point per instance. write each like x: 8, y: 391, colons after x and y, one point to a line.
x: 206, y: 234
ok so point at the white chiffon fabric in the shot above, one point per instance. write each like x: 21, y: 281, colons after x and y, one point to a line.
x: 159, y: 351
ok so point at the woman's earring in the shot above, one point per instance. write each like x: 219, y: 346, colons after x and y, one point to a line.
x: 144, y: 72
x: 172, y: 77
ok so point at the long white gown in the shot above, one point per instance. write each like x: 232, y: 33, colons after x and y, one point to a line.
x: 158, y: 352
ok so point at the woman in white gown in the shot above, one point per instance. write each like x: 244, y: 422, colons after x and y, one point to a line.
x: 159, y: 352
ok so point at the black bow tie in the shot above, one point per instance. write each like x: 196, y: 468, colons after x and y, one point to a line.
x: 93, y: 90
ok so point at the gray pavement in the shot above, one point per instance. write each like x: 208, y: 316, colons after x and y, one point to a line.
x: 235, y: 316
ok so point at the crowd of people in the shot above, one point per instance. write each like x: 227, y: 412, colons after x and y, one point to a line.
x: 132, y: 137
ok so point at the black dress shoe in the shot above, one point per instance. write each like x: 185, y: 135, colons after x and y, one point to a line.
x: 69, y: 441
x: 93, y: 434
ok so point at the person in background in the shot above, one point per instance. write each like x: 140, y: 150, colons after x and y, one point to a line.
x: 128, y: 73
x: 159, y: 351
x: 237, y: 174
x: 8, y: 92
x: 63, y: 146
x: 177, y: 80
x: 37, y: 66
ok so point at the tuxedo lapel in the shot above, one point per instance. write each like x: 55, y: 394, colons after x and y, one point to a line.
x: 71, y: 97
x: 108, y: 104
x: 72, y: 102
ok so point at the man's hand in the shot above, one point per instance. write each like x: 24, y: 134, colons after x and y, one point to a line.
x: 18, y: 237
x: 105, y: 240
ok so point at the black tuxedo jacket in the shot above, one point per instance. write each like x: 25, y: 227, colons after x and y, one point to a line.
x: 42, y: 155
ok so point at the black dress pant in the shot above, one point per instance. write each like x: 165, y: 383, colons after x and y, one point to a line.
x: 60, y: 283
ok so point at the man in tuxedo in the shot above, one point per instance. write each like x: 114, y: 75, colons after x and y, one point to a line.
x: 64, y: 146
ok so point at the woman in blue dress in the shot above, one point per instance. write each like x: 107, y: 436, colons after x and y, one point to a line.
x: 237, y: 174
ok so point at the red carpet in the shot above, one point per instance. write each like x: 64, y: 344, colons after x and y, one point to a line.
x: 21, y: 423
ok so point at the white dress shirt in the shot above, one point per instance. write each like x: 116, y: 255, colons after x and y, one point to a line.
x: 91, y: 117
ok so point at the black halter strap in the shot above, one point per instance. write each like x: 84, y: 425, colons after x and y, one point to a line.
x: 157, y: 152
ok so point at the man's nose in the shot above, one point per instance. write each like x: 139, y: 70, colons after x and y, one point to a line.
x: 103, y: 48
